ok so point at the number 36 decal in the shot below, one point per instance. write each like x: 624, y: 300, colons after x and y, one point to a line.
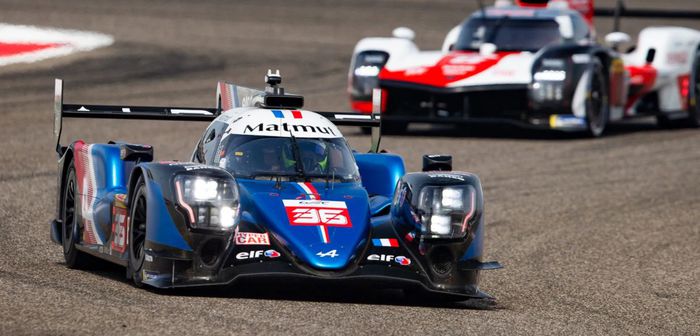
x: 316, y: 212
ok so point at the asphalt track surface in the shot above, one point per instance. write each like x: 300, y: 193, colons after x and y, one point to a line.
x: 597, y: 236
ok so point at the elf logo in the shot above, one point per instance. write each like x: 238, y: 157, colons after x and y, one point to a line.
x: 401, y: 260
x: 257, y: 254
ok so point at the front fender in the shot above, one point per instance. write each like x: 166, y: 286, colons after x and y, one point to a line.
x: 167, y: 231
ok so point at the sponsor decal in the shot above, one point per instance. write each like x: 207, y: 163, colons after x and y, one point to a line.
x: 447, y: 175
x: 401, y: 260
x: 331, y: 253
x: 467, y: 59
x: 416, y: 71
x: 119, y: 230
x: 258, y: 254
x: 566, y: 121
x: 252, y: 238
x: 677, y: 58
x: 287, y: 128
x: 119, y: 227
x: 510, y: 12
x: 385, y: 242
x: 272, y: 254
x: 457, y: 70
x: 318, y: 213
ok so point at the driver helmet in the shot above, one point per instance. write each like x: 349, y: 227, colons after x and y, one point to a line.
x: 313, y: 153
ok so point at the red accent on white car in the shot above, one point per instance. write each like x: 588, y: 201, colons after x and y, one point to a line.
x: 684, y: 88
x: 453, y: 67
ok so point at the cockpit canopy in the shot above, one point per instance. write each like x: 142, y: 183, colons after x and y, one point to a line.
x: 288, y: 158
x: 521, y: 29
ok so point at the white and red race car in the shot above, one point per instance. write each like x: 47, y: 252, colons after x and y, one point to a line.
x: 533, y: 63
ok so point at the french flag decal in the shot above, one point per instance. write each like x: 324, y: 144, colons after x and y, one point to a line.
x: 279, y: 114
x: 385, y: 242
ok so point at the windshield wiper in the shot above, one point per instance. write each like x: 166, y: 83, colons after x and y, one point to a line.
x: 297, y: 157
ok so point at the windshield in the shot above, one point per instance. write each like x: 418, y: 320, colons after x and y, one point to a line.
x: 508, y: 34
x: 291, y: 159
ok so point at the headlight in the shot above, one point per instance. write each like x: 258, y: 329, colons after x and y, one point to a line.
x: 210, y: 202
x: 367, y: 66
x: 367, y: 71
x: 445, y: 211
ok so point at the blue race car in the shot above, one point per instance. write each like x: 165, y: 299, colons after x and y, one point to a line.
x: 272, y: 191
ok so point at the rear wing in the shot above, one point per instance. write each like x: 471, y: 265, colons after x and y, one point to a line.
x: 62, y: 110
x: 621, y: 11
x: 244, y: 97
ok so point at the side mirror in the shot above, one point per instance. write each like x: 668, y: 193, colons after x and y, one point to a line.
x: 451, y: 39
x: 404, y: 33
x: 615, y: 39
x: 487, y: 49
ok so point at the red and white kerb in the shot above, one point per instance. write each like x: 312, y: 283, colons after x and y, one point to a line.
x: 26, y: 44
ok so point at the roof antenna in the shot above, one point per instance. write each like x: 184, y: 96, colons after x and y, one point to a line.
x: 481, y: 8
x: 274, y: 80
x: 619, y: 9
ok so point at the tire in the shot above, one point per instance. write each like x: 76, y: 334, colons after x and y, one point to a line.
x: 366, y: 130
x: 394, y: 127
x: 597, y: 101
x: 70, y: 230
x: 694, y: 94
x: 137, y: 233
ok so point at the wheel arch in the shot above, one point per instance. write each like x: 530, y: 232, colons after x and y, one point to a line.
x: 136, y: 174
